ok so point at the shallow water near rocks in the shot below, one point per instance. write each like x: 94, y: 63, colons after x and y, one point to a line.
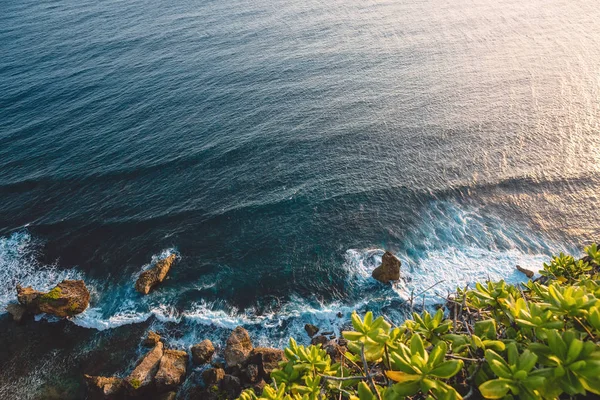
x: 278, y: 148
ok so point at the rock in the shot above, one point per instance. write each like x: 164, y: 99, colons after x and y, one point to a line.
x: 334, y: 350
x: 525, y: 271
x: 151, y: 340
x: 68, y: 298
x: 202, y: 352
x: 340, y: 315
x: 238, y: 347
x: 142, y: 376
x: 252, y: 373
x: 389, y: 270
x: 18, y: 312
x: 258, y: 387
x: 155, y: 275
x: 104, y: 388
x: 231, y: 387
x: 213, y: 376
x: 166, y: 396
x: 171, y: 371
x: 311, y: 329
x: 267, y: 359
x: 319, y: 340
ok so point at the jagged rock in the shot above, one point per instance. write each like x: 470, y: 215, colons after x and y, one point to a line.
x: 311, y: 329
x: 339, y: 314
x: 151, y: 340
x: 389, y: 270
x: 258, y: 387
x: 68, y: 298
x: 155, y: 275
x: 213, y: 376
x: 18, y: 311
x: 319, y: 340
x: 142, y: 376
x: 527, y: 272
x: 171, y: 371
x: 238, y: 347
x: 104, y: 387
x: 252, y: 373
x: 267, y: 359
x: 334, y: 349
x: 202, y: 352
x: 231, y: 387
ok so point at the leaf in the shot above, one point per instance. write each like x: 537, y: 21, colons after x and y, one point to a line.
x: 416, y: 346
x: 401, y: 377
x: 494, y: 389
x: 497, y: 364
x: 447, y: 369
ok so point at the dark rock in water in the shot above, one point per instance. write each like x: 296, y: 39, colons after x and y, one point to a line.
x: 238, y: 347
x: 151, y: 340
x: 389, y: 270
x: 155, y: 275
x: 267, y: 359
x: 340, y: 315
x: 202, y: 352
x: 319, y: 340
x: 334, y: 349
x: 67, y: 299
x: 142, y: 376
x: 101, y: 387
x: 311, y: 329
x: 231, y: 387
x: 213, y: 376
x: 527, y: 272
x: 18, y: 312
x: 172, y: 370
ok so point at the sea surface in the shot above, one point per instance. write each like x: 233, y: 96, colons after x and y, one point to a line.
x: 278, y: 148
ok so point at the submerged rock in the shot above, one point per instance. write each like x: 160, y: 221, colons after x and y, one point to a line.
x: 155, y: 275
x: 104, y: 388
x: 202, y: 352
x: 67, y: 299
x: 311, y: 329
x: 527, y: 272
x: 389, y: 270
x: 171, y: 371
x: 238, y: 347
x: 143, y: 375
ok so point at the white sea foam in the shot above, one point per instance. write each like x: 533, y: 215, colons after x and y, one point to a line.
x: 18, y: 265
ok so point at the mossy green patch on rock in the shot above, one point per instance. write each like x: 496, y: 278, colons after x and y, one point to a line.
x: 54, y: 294
x: 135, y: 383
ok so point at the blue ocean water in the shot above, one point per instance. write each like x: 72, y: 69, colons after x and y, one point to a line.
x: 278, y: 148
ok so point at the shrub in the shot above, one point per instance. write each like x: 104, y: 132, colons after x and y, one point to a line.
x: 533, y: 341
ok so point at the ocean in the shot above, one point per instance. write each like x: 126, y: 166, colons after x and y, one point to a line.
x: 279, y: 148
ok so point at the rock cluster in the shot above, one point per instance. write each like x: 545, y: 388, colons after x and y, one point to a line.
x: 155, y: 275
x: 66, y: 299
x: 389, y: 270
x: 157, y: 375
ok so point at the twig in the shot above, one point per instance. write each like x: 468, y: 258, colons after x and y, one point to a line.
x: 344, y: 378
x: 367, y: 372
x: 465, y: 358
x: 432, y: 286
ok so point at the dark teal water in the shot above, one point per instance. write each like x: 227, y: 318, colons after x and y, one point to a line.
x: 278, y: 147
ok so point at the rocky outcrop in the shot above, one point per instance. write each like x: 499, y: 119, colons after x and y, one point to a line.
x: 230, y: 386
x: 171, y: 371
x: 151, y: 340
x: 155, y: 275
x: 213, y: 376
x: 202, y: 352
x: 527, y: 272
x: 389, y: 270
x: 311, y: 329
x: 142, y: 377
x: 101, y: 387
x: 266, y: 359
x: 67, y: 299
x: 17, y: 311
x: 238, y: 347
